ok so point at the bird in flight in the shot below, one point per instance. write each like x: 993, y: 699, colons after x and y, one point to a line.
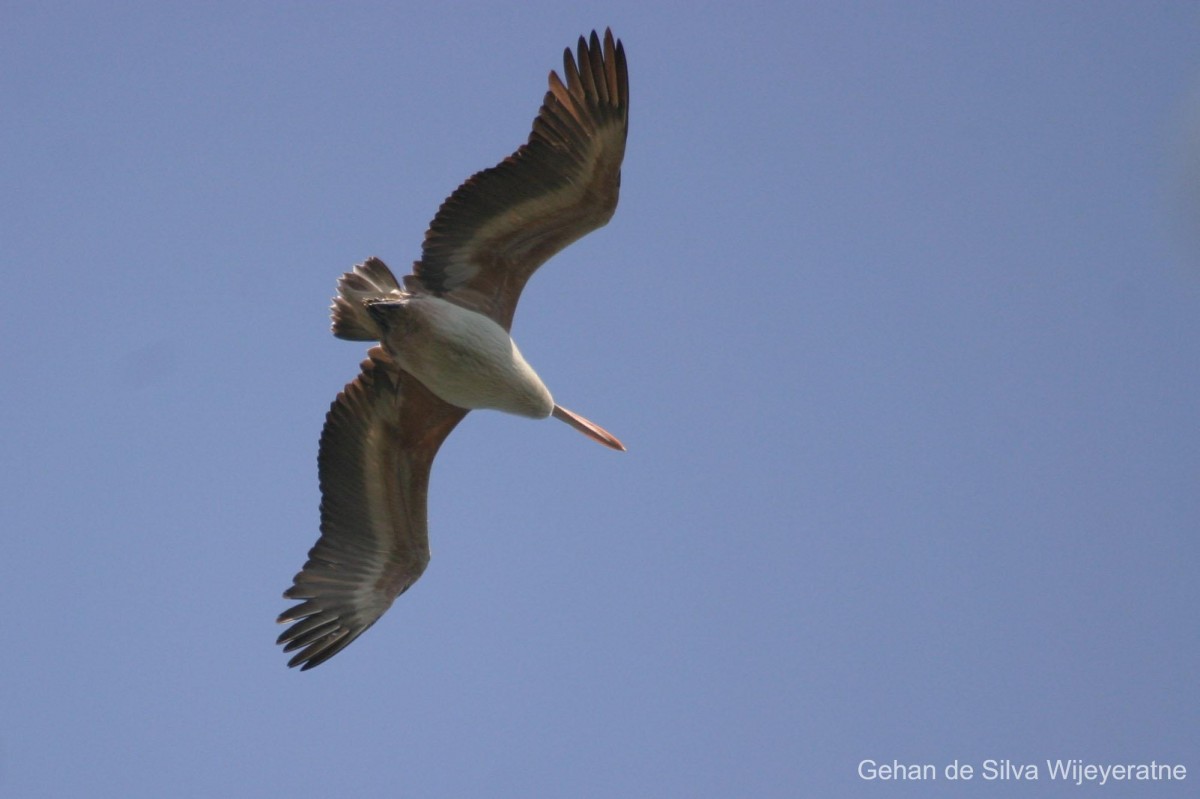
x: 444, y: 348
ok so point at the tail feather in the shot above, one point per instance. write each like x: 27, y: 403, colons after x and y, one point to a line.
x: 370, y: 280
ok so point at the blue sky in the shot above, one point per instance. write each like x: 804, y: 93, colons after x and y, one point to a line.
x: 898, y: 318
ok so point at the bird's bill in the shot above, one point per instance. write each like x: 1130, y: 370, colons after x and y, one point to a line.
x: 588, y: 428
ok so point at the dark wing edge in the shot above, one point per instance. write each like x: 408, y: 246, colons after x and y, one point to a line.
x: 380, y: 437
x: 500, y: 225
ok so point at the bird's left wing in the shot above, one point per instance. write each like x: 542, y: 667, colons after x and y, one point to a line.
x: 378, y: 445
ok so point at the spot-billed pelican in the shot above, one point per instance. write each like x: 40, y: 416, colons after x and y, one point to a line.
x: 444, y: 349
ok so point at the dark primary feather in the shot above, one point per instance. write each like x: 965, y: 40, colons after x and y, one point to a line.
x: 499, y: 226
x: 376, y: 450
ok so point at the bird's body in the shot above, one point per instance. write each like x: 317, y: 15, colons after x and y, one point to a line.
x: 445, y: 349
x: 461, y: 356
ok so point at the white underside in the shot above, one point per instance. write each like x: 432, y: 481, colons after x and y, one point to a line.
x: 465, y: 358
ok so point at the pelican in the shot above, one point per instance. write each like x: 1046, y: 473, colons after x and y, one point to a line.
x: 444, y: 349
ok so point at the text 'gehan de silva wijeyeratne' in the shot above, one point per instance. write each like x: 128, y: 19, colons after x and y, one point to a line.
x: 1072, y: 770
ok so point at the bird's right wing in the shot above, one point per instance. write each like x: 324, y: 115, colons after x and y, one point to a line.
x: 378, y: 445
x: 502, y: 223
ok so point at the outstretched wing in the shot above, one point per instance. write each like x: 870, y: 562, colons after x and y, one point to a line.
x: 499, y: 226
x: 379, y: 441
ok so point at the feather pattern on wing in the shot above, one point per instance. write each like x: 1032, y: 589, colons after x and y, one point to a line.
x: 496, y: 229
x: 376, y: 450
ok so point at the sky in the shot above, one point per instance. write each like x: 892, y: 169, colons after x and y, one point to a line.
x: 898, y: 318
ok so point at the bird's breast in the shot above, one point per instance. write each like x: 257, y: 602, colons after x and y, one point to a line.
x: 465, y: 358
